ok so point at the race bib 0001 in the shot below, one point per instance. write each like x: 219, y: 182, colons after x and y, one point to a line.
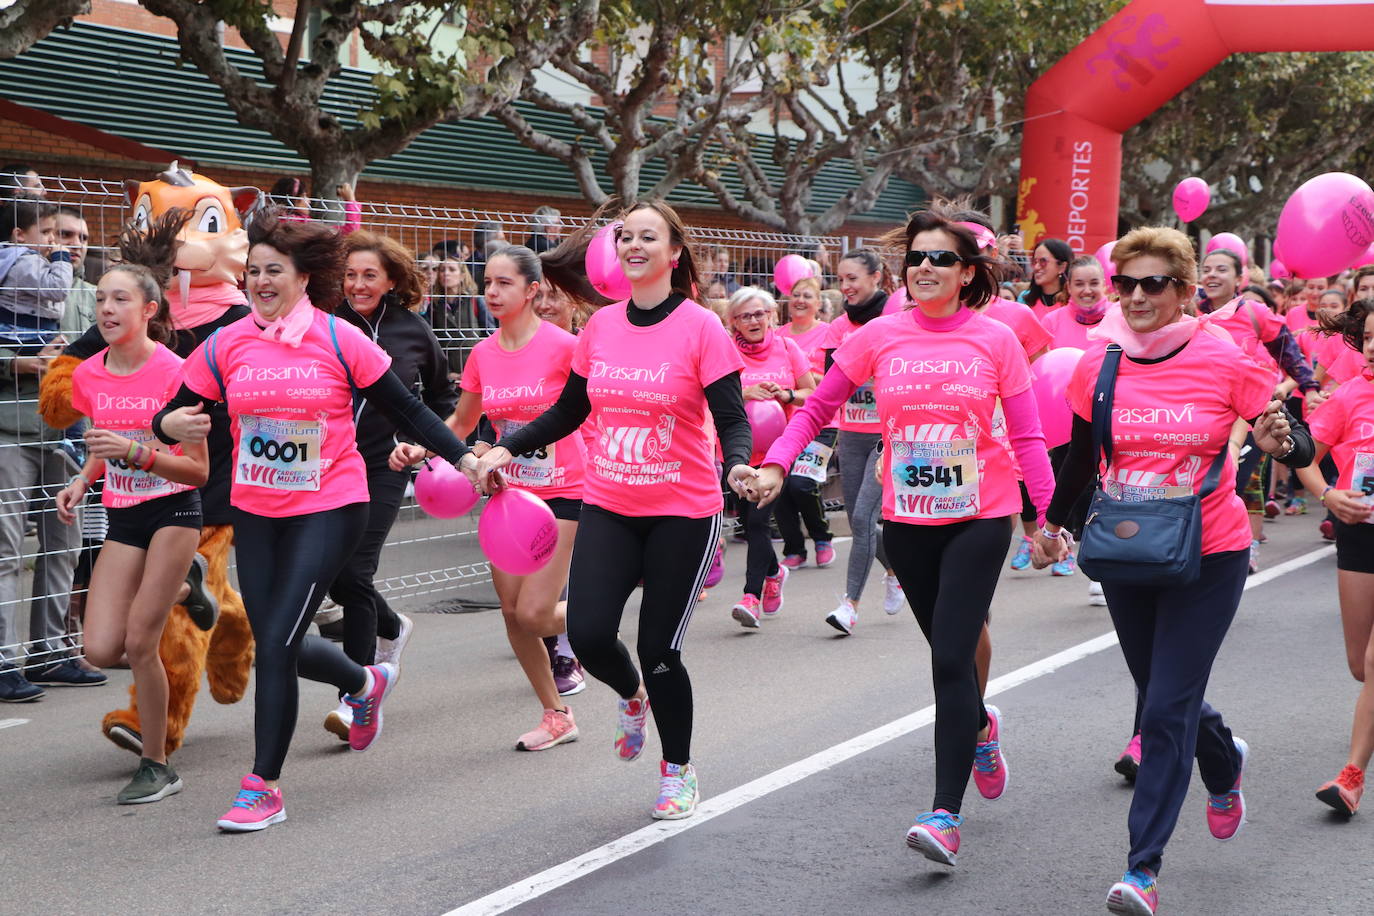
x: 278, y: 454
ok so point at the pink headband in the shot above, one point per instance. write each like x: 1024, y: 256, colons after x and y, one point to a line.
x: 982, y: 234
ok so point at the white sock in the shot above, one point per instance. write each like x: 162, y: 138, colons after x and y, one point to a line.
x: 367, y: 684
x: 564, y: 648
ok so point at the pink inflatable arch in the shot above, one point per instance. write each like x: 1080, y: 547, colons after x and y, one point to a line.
x: 1142, y: 57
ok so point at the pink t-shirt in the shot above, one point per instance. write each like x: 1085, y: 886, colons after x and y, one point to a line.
x: 811, y: 341
x: 1171, y: 419
x: 653, y: 453
x: 1345, y: 422
x: 859, y: 414
x: 291, y: 414
x: 126, y: 404
x: 1251, y: 326
x: 1067, y: 331
x: 783, y: 364
x: 1298, y: 319
x: 516, y: 386
x: 1019, y: 317
x: 936, y: 392
x: 1342, y: 363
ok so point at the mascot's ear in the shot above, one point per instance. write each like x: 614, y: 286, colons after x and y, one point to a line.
x: 131, y: 189
x: 245, y: 199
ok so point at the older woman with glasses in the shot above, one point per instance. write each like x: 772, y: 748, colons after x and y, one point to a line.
x: 1166, y: 431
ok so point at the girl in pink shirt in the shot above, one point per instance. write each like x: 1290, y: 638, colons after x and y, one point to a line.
x: 775, y: 369
x: 948, y: 489
x: 645, y: 374
x: 289, y: 374
x: 1167, y: 430
x: 1344, y: 427
x: 150, y: 496
x: 513, y: 376
x: 800, y: 502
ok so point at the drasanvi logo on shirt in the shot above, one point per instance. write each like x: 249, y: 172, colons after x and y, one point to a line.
x: 1153, y: 415
x: 144, y: 403
x: 513, y: 392
x: 277, y: 373
x: 602, y: 369
x: 899, y: 365
x: 637, y: 444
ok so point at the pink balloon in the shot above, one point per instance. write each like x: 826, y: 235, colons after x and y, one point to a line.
x: 1327, y: 224
x: 767, y: 420
x: 1104, y: 257
x: 1365, y: 259
x: 603, y: 265
x: 789, y: 269
x: 1231, y: 242
x: 517, y: 532
x: 1050, y: 376
x: 1191, y: 198
x: 896, y: 301
x: 443, y: 491
x: 1278, y: 270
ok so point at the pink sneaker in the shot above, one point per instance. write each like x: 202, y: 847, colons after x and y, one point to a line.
x: 1226, y: 812
x: 557, y: 727
x: 629, y: 730
x: 256, y: 807
x: 1128, y: 764
x: 989, y: 769
x: 825, y: 554
x: 1135, y: 894
x: 717, y: 571
x: 793, y: 561
x: 367, y: 710
x: 772, y: 592
x: 746, y: 611
x: 935, y: 835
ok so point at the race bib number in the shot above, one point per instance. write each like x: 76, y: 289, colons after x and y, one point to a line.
x: 862, y: 406
x: 813, y: 461
x: 278, y: 454
x: 1362, y: 479
x: 934, y: 479
x: 538, y: 468
x: 128, y: 484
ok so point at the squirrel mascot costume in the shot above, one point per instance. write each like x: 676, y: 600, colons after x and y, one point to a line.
x: 204, y: 297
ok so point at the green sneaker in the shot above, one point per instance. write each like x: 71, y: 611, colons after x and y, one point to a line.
x: 152, y: 782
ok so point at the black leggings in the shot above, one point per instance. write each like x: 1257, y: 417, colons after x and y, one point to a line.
x: 762, y: 559
x: 285, y: 565
x: 800, y: 503
x: 949, y: 574
x: 366, y: 615
x: 611, y: 554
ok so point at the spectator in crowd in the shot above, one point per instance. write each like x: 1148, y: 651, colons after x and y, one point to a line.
x: 718, y: 269
x: 832, y: 303
x: 33, y: 463
x: 74, y: 235
x: 288, y: 193
x: 455, y: 308
x: 486, y: 231
x: 18, y: 180
x: 429, y: 273
x: 548, y: 230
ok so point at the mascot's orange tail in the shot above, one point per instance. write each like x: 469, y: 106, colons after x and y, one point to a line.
x: 230, y: 659
x: 55, y: 393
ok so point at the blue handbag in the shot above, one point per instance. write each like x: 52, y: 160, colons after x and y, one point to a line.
x: 1148, y: 542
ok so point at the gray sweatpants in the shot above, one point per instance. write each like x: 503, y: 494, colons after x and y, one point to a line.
x: 863, y: 504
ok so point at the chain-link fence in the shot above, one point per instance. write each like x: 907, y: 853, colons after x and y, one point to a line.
x: 40, y: 558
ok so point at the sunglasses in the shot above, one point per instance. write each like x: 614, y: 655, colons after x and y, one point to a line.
x: 1153, y: 285
x: 940, y: 257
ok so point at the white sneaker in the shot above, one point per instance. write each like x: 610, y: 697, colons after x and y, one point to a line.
x: 339, y: 721
x: 845, y: 617
x: 389, y: 650
x: 1095, y: 596
x: 893, y: 596
x: 329, y: 612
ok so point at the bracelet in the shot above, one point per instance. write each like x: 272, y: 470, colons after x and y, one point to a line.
x: 129, y: 456
x: 1062, y: 533
x: 152, y: 457
x: 1322, y: 498
x: 1289, y: 450
x: 791, y: 395
x: 81, y: 477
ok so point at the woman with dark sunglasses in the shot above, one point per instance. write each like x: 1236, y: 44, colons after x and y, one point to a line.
x: 949, y: 491
x: 1166, y: 431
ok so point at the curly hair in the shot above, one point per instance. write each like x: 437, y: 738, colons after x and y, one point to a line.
x: 315, y: 250
x: 408, y: 284
x: 1348, y: 324
x: 149, y: 256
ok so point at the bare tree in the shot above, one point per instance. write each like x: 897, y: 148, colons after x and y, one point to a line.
x: 26, y: 22
x: 417, y: 88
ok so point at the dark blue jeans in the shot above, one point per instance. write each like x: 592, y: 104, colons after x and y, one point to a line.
x: 1170, y: 635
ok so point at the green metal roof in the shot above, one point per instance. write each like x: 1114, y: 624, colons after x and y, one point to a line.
x: 131, y: 85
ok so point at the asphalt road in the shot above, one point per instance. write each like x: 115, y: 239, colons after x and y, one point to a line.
x: 443, y: 812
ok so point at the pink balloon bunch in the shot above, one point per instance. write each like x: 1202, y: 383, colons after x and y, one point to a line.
x: 1326, y: 225
x: 767, y: 420
x: 1231, y: 242
x: 517, y: 532
x: 443, y: 491
x: 603, y: 264
x: 1279, y: 270
x: 1191, y: 197
x: 789, y: 269
x: 1050, y: 376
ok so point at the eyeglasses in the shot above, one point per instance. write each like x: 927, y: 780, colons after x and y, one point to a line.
x: 752, y: 316
x: 940, y: 257
x: 1153, y: 285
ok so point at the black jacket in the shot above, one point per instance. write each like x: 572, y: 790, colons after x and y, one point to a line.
x: 418, y: 361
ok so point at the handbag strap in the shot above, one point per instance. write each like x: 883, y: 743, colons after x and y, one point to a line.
x: 1103, y: 397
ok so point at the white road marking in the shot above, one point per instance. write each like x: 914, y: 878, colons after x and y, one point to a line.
x: 10, y: 723
x: 537, y: 885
